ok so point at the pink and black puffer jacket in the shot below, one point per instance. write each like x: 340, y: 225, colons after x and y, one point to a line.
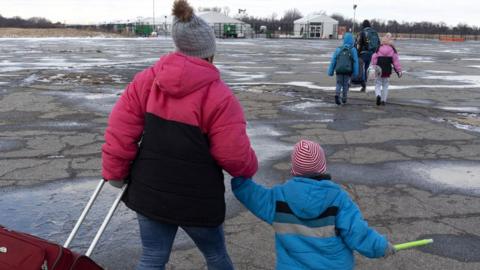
x: 190, y: 126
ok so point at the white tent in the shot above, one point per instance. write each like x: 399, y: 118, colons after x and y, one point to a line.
x: 225, y: 26
x: 316, y: 26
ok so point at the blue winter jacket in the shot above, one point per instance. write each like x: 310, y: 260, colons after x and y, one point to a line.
x: 317, y: 225
x: 347, y: 42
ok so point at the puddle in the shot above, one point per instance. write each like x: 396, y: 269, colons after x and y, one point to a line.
x: 309, y: 107
x: 50, y: 210
x: 455, y: 176
x: 96, y: 102
x: 461, y: 177
x: 265, y: 142
x: 460, y: 123
x: 463, y: 248
x: 9, y: 145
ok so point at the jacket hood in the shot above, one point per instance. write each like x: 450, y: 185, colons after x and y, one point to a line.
x: 385, y: 50
x: 309, y: 198
x: 179, y: 75
x: 348, y: 39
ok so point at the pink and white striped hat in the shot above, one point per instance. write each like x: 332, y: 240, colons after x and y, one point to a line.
x: 308, y: 158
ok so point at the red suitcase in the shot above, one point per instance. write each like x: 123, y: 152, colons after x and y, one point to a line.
x: 21, y: 251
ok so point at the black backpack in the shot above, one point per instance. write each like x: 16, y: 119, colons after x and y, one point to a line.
x: 344, y: 61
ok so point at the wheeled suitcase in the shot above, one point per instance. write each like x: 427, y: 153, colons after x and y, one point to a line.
x: 21, y: 251
x: 359, y: 79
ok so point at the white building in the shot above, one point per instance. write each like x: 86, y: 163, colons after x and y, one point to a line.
x: 225, y: 26
x: 316, y: 26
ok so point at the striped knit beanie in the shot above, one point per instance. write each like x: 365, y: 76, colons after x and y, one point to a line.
x: 308, y: 158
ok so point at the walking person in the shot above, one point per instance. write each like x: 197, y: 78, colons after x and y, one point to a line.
x: 385, y: 57
x: 173, y: 130
x: 345, y: 64
x: 368, y: 43
x: 317, y: 225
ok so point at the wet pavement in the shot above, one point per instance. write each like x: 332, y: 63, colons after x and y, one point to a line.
x: 412, y: 166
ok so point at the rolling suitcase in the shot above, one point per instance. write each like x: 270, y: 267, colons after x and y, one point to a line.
x: 21, y: 251
x: 359, y: 78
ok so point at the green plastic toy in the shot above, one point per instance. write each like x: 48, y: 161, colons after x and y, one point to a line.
x: 413, y: 244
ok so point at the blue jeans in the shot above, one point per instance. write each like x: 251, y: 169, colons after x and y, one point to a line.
x: 343, y: 83
x: 157, y: 240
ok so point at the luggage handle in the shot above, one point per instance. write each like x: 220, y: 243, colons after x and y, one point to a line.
x: 105, y: 221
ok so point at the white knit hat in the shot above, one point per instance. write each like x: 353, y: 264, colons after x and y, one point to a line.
x: 191, y: 34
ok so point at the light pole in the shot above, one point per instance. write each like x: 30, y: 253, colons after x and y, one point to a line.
x: 154, y: 17
x: 354, y: 13
x: 166, y: 29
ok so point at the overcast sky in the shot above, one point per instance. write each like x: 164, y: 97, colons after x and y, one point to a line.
x: 94, y: 11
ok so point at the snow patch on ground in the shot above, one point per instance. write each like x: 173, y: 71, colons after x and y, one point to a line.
x: 422, y: 59
x: 440, y: 71
x: 471, y: 79
x: 452, y: 175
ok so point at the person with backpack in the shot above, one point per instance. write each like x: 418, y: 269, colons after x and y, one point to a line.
x: 385, y: 57
x: 174, y: 129
x: 317, y: 225
x: 345, y: 64
x: 368, y: 43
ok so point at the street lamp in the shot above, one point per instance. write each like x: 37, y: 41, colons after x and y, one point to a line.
x: 354, y: 13
x: 154, y: 18
x: 166, y: 26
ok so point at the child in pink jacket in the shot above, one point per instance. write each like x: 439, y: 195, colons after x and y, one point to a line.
x: 385, y: 57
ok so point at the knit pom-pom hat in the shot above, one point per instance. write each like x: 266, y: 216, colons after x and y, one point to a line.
x: 192, y: 35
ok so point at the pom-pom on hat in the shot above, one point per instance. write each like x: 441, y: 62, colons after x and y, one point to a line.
x: 192, y: 35
x: 308, y: 158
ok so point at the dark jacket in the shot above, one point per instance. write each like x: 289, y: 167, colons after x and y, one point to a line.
x: 362, y: 44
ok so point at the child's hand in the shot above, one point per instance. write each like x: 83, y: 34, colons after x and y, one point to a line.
x: 400, y: 74
x: 390, y: 250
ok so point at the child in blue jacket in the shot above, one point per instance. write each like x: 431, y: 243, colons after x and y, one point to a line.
x: 317, y: 225
x: 345, y: 64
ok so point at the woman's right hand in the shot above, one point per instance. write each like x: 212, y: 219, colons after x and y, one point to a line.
x: 116, y: 183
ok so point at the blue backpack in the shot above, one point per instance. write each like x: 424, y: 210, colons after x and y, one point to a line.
x: 344, y: 61
x: 372, y: 41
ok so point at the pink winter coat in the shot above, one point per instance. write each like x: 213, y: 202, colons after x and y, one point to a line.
x: 180, y: 89
x: 386, y: 52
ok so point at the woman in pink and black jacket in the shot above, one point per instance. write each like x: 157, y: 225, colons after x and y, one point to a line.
x: 385, y: 57
x: 174, y: 129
